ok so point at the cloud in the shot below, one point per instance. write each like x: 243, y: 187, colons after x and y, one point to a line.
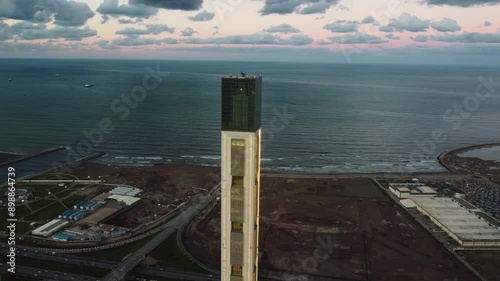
x: 130, y: 21
x: 202, y: 16
x: 64, y: 32
x: 357, y: 38
x: 28, y: 25
x: 104, y: 19
x: 64, y: 12
x: 137, y: 41
x: 70, y: 13
x: 446, y: 25
x: 392, y: 36
x: 111, y: 7
x: 461, y: 3
x: 342, y: 26
x: 297, y: 6
x: 6, y: 31
x: 420, y: 38
x: 150, y: 29
x: 299, y: 40
x: 406, y: 22
x: 260, y: 38
x: 472, y: 37
x: 104, y: 44
x: 185, y: 5
x: 188, y: 32
x: 368, y: 19
x: 487, y: 23
x: 282, y: 28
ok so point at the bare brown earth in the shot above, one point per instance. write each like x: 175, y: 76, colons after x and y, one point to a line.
x: 485, y: 262
x: 335, y: 230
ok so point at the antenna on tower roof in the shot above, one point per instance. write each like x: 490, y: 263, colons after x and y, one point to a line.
x: 243, y: 74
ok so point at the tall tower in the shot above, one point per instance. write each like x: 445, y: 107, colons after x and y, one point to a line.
x: 240, y: 173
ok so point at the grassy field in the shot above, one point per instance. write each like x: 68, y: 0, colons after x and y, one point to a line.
x: 169, y: 255
x: 22, y: 211
x: 54, y: 176
x: 64, y: 193
x: 40, y: 204
x: 49, y: 212
x: 71, y: 201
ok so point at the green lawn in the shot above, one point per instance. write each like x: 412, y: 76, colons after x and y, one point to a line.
x: 40, y: 204
x: 54, y: 176
x: 22, y: 211
x: 64, y: 193
x: 169, y: 255
x: 49, y: 212
x: 71, y: 201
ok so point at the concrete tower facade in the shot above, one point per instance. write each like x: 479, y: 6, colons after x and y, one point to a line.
x: 240, y: 177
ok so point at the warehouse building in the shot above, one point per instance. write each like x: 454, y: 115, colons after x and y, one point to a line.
x: 50, y: 228
x: 405, y: 190
x: 463, y: 222
x: 127, y: 200
x: 126, y: 190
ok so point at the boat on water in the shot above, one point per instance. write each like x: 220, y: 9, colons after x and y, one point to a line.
x: 57, y: 75
x: 10, y: 79
x: 89, y: 85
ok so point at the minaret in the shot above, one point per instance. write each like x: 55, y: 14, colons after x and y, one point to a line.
x: 240, y: 173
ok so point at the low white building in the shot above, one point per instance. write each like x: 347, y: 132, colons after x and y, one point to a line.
x: 50, y: 228
x: 467, y: 226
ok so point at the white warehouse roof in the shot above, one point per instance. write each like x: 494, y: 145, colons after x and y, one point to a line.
x: 50, y: 227
x: 457, y: 219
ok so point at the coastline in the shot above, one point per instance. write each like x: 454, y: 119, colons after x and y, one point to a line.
x: 443, y: 159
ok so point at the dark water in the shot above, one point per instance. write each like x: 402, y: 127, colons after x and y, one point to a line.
x: 339, y: 117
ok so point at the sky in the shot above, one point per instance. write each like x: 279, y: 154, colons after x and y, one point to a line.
x: 342, y: 31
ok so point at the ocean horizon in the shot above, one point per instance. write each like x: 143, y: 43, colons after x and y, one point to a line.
x: 316, y: 117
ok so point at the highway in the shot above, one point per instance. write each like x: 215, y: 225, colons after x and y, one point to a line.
x: 89, y: 262
x: 169, y: 228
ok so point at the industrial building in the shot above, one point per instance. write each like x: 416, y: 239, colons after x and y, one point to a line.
x: 240, y: 172
x: 127, y: 200
x: 463, y: 222
x: 404, y: 190
x: 50, y: 228
x: 126, y: 190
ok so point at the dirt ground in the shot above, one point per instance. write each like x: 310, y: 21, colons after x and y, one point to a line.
x: 485, y: 262
x: 325, y: 229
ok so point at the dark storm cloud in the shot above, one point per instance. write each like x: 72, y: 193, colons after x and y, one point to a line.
x: 185, y: 5
x: 111, y: 7
x: 297, y: 6
x: 64, y: 12
x: 461, y: 3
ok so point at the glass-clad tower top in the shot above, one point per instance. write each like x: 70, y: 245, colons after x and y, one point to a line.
x: 241, y: 101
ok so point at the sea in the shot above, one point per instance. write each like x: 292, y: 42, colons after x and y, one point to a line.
x: 316, y: 117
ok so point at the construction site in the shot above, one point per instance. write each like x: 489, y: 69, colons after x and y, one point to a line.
x: 334, y: 229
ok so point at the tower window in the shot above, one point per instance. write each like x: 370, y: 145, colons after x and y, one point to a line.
x: 236, y: 270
